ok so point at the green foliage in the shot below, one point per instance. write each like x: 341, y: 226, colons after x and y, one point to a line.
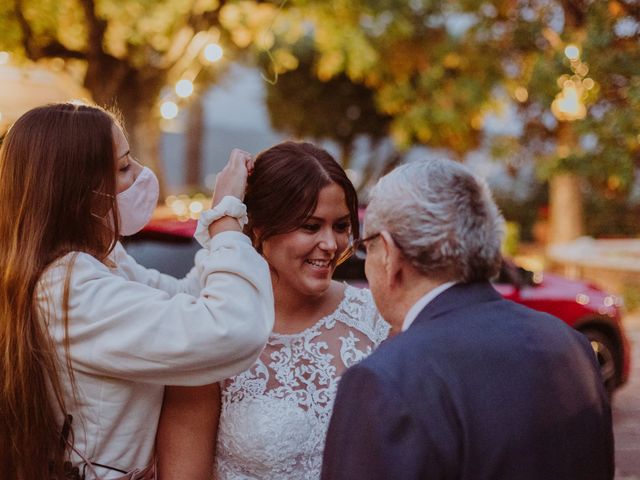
x: 511, y: 239
x: 612, y: 63
x: 432, y: 68
x: 435, y: 67
x: 433, y: 83
x: 129, y: 53
x: 523, y: 211
x: 609, y: 215
x: 337, y: 109
x: 631, y: 296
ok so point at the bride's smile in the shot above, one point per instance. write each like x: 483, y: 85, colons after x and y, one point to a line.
x: 303, y: 261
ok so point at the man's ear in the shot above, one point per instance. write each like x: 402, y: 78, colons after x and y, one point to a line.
x: 392, y: 260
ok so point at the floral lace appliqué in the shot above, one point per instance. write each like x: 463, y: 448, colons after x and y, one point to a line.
x: 274, y: 416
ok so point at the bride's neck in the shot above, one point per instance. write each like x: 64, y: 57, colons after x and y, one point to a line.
x: 295, y: 312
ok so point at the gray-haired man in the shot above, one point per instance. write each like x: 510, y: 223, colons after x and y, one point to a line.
x: 476, y: 387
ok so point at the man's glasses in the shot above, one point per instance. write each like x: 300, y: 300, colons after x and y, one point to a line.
x: 358, y: 246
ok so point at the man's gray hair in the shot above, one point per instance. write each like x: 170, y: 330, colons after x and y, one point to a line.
x: 442, y: 218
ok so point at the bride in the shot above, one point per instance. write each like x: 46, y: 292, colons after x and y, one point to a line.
x: 271, y: 420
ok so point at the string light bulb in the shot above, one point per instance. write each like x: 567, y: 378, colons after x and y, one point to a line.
x: 169, y: 110
x: 184, y: 88
x: 213, y: 52
x: 572, y: 52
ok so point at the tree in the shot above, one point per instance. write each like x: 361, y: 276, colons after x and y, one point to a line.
x: 438, y: 67
x: 194, y: 133
x: 583, y: 63
x: 336, y: 109
x: 129, y: 52
x: 435, y: 81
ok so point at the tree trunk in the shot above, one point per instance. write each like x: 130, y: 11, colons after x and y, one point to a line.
x: 195, y: 132
x: 134, y: 93
x: 143, y: 128
x: 566, y: 222
x: 565, y: 208
x: 346, y: 151
x: 142, y: 122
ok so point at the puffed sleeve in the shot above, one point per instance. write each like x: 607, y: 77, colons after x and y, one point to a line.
x: 374, y: 433
x: 129, y: 330
x: 190, y: 284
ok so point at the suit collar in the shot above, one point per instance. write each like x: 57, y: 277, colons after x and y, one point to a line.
x: 417, y: 307
x: 458, y: 296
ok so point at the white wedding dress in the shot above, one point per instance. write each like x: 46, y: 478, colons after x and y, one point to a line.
x: 274, y: 416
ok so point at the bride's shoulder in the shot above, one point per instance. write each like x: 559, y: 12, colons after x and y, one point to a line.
x: 359, y: 296
x: 360, y: 308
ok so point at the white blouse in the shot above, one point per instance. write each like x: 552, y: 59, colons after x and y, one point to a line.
x: 132, y: 330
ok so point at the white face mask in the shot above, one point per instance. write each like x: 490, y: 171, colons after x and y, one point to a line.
x: 137, y: 203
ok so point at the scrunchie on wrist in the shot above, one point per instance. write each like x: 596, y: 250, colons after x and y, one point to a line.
x: 227, y: 207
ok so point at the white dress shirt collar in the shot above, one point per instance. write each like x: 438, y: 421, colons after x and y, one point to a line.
x: 423, y: 302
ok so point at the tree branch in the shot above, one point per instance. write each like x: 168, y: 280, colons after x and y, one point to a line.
x: 27, y: 34
x: 631, y: 9
x: 575, y: 13
x: 35, y: 52
x: 182, y: 38
x: 197, y: 23
x: 56, y: 49
x: 97, y: 28
x: 206, y: 19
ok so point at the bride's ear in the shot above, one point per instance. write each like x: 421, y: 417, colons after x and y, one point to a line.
x: 256, y: 238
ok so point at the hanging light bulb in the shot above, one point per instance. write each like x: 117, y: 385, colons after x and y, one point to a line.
x: 568, y: 105
x: 572, y: 52
x: 184, y: 88
x: 213, y: 52
x: 169, y: 110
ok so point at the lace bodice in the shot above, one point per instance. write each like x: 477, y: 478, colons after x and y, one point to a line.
x: 274, y: 416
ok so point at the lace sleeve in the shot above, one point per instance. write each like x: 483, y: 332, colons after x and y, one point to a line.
x: 364, y: 316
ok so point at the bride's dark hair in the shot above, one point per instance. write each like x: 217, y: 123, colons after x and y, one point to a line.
x: 282, y: 191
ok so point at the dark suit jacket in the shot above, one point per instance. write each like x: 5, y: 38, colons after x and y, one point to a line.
x: 477, y: 388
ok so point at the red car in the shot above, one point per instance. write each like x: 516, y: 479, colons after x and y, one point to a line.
x: 168, y: 246
x: 580, y: 304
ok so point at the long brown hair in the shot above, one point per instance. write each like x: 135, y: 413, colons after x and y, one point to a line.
x: 282, y: 191
x: 53, y: 161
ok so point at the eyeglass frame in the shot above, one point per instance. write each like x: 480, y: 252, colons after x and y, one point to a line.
x: 353, y: 248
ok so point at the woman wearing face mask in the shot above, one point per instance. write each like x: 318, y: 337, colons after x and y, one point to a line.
x: 88, y: 335
x: 271, y: 419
